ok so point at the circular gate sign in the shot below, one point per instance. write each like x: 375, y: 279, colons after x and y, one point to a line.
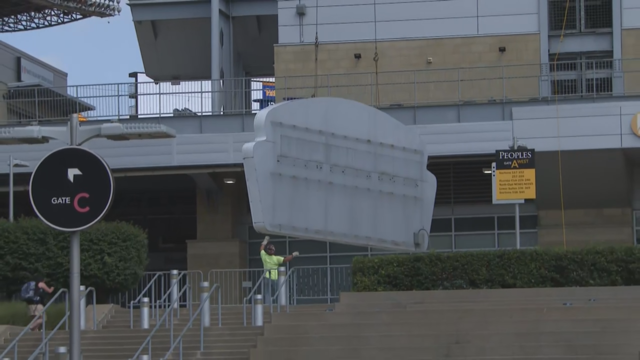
x: 71, y: 189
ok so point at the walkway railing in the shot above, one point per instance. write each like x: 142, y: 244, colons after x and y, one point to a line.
x: 589, y: 78
x: 165, y: 318
x: 44, y: 345
x: 308, y: 285
x: 259, y: 285
x: 152, y: 296
x: 13, y: 346
x: 204, y: 301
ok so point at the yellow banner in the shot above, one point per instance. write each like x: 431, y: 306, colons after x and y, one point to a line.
x: 516, y: 184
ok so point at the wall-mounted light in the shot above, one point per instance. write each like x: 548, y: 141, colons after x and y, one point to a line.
x: 486, y: 170
x: 357, y: 56
x: 229, y: 181
x: 502, y: 49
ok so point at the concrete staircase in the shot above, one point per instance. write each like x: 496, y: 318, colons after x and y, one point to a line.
x: 523, y: 324
x: 117, y: 341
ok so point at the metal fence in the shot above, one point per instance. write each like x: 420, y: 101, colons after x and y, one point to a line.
x: 581, y: 78
x: 309, y: 285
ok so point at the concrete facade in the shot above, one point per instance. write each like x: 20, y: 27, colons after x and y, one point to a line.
x: 405, y: 75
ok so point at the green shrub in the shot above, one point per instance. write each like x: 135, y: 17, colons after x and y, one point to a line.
x: 603, y: 266
x: 113, y: 255
x: 15, y: 313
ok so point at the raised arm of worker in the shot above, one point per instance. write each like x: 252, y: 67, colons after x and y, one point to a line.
x: 284, y: 260
x: 264, y: 243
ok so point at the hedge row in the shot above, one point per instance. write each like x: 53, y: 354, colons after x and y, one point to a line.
x: 113, y: 255
x: 537, y: 268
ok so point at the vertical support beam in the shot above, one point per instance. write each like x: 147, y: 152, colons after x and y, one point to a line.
x: 543, y: 20
x: 215, y: 56
x: 618, y: 75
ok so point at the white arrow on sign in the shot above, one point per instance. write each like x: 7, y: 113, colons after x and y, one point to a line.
x: 71, y: 173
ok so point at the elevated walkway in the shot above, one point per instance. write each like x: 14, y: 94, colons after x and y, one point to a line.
x: 550, y: 324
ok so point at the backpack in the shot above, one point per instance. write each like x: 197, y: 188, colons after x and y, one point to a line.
x: 28, y: 292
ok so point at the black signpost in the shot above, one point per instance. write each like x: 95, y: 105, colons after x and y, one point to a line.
x: 70, y: 190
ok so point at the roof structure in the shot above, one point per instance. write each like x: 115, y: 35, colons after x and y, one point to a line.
x: 24, y: 15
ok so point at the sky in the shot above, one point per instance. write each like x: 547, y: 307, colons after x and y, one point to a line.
x: 91, y: 51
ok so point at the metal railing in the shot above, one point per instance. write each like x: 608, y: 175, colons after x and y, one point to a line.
x: 14, y: 344
x: 286, y: 285
x: 204, y: 302
x: 151, y: 286
x: 165, y: 318
x: 161, y: 282
x: 172, y: 302
x: 236, y: 284
x: 259, y: 284
x: 44, y: 345
x: 581, y: 78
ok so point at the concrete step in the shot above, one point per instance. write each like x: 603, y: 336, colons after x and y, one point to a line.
x: 482, y: 304
x: 142, y: 332
x: 495, y: 294
x: 130, y: 350
x: 474, y: 351
x: 464, y: 314
x: 432, y: 339
x: 445, y: 326
x: 124, y: 340
x: 209, y: 354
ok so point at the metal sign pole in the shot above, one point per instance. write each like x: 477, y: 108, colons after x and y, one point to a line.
x: 74, y: 269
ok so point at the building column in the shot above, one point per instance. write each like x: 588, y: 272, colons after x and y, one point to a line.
x: 215, y: 56
x: 219, y: 212
x: 543, y: 19
x: 618, y: 75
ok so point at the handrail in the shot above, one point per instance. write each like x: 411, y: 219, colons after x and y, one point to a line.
x: 244, y: 301
x: 153, y: 292
x: 14, y: 343
x: 65, y: 318
x: 203, y: 302
x: 280, y: 287
x: 161, y: 301
x: 169, y: 310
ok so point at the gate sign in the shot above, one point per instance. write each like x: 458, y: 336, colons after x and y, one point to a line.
x: 515, y: 174
x: 71, y: 189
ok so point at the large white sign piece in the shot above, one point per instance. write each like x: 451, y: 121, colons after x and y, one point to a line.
x: 338, y: 170
x: 30, y: 72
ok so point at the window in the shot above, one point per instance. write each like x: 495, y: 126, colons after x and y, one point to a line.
x: 580, y: 15
x: 636, y: 227
x: 581, y: 74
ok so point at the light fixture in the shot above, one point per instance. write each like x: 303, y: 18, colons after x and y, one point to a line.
x: 486, y: 170
x: 229, y: 181
x: 357, y: 56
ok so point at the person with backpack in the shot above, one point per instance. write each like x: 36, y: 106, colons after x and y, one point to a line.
x: 33, y: 293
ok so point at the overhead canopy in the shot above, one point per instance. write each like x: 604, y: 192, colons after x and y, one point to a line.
x: 33, y: 101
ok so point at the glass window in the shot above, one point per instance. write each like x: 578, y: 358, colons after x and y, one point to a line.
x: 281, y: 247
x: 335, y: 248
x: 637, y: 237
x: 343, y: 259
x: 377, y: 250
x: 303, y: 261
x: 475, y: 241
x: 507, y: 223
x: 442, y: 225
x: 441, y: 242
x: 528, y: 222
x: 508, y: 241
x: 255, y: 263
x: 474, y: 224
x: 308, y: 247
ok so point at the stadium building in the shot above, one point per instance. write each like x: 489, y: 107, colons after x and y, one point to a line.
x: 469, y: 76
